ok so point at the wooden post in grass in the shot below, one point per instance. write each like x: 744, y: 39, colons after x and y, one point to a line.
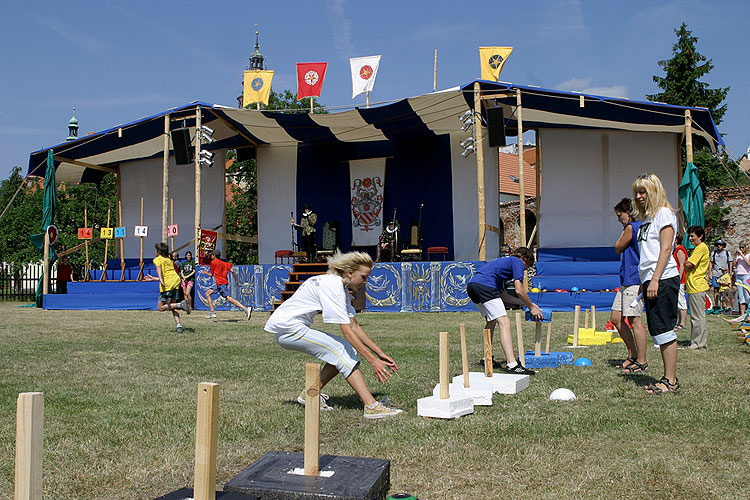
x: 519, y: 335
x: 46, y: 269
x: 29, y: 441
x: 586, y: 321
x: 593, y: 317
x: 538, y: 339
x: 464, y: 354
x: 206, y: 440
x: 576, y: 317
x: 549, y: 333
x: 444, y: 392
x: 312, y: 419
x: 487, y: 354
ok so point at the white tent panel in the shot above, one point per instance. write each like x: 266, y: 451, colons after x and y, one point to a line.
x: 277, y: 188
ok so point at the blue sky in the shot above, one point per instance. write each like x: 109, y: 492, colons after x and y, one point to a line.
x: 119, y: 61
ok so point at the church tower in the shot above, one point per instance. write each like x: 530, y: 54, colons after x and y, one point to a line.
x: 73, y: 127
x: 256, y: 61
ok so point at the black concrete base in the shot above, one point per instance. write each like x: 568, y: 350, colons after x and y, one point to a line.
x: 184, y: 493
x: 353, y: 479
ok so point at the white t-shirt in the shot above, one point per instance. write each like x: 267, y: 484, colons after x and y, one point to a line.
x: 649, y: 243
x: 325, y: 294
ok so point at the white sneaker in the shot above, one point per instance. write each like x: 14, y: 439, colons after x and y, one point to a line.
x: 248, y: 312
x: 379, y: 410
x: 210, y: 315
x: 323, y: 399
x: 185, y: 306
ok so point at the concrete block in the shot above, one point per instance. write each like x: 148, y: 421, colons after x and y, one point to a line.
x: 480, y: 392
x: 544, y: 360
x: 502, y: 383
x: 353, y: 478
x: 187, y: 493
x: 453, y: 407
x: 546, y: 315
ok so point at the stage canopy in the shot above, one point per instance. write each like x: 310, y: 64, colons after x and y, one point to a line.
x: 89, y: 158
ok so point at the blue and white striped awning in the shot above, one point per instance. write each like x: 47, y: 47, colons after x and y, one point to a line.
x: 89, y: 158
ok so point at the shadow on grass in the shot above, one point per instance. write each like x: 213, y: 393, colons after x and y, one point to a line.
x: 350, y: 402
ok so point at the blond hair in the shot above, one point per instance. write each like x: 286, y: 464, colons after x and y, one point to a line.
x: 656, y: 196
x: 341, y: 263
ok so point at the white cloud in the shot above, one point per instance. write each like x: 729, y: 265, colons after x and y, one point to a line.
x: 69, y: 33
x: 342, y: 28
x: 584, y: 85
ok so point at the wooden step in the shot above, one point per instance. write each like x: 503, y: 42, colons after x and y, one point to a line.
x: 297, y: 276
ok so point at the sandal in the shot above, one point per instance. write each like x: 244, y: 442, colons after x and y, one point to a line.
x: 635, y: 367
x: 630, y: 362
x: 655, y: 389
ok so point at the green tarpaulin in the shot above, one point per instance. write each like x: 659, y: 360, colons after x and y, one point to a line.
x: 691, y: 196
x: 48, y: 216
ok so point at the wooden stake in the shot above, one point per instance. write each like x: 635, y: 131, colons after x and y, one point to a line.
x: 29, y: 444
x: 593, y: 317
x: 140, y: 254
x: 549, y: 334
x: 586, y: 322
x: 464, y: 354
x: 576, y: 318
x: 106, y: 249
x: 198, y: 177
x: 86, y: 245
x: 479, y: 149
x: 122, y: 240
x: 444, y: 390
x: 206, y: 441
x: 538, y: 339
x: 165, y: 180
x: 45, y: 270
x: 487, y: 354
x: 312, y: 419
x: 519, y: 335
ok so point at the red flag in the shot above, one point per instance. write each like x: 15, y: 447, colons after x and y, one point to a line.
x: 310, y: 79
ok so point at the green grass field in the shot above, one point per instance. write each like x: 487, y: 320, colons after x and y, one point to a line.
x: 120, y: 403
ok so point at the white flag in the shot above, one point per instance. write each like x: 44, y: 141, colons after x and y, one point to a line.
x: 364, y: 71
x: 367, y: 201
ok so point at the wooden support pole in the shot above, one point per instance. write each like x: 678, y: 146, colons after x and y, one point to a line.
x: 206, y: 441
x: 312, y: 419
x: 688, y: 136
x: 593, y: 317
x: 122, y: 240
x: 87, y: 277
x: 434, y: 76
x: 29, y: 444
x: 576, y: 318
x: 464, y: 354
x: 171, y: 221
x: 487, y: 353
x: 106, y: 248
x: 586, y: 322
x: 46, y: 270
x: 549, y: 334
x: 165, y: 180
x: 367, y: 99
x: 140, y: 254
x: 521, y: 180
x: 198, y: 177
x: 479, y: 149
x: 444, y: 390
x: 538, y: 339
x: 538, y: 172
x: 519, y: 335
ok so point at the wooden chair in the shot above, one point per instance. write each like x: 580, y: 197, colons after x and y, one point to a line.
x: 280, y: 255
x: 328, y: 243
x: 437, y: 251
x: 413, y: 249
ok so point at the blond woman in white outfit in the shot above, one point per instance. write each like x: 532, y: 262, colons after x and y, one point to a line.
x: 328, y: 294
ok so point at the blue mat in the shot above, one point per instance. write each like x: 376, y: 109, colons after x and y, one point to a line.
x: 543, y: 361
x: 577, y: 254
x: 577, y: 268
x: 566, y: 301
x: 100, y: 301
x: 588, y: 283
x: 92, y: 287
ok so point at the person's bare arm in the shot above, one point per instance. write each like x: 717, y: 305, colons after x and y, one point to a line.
x: 624, y: 240
x: 666, y: 237
x: 533, y: 308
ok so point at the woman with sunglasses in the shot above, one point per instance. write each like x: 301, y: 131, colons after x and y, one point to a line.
x: 660, y: 280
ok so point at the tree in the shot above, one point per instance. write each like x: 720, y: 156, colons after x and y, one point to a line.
x: 287, y: 100
x: 681, y: 86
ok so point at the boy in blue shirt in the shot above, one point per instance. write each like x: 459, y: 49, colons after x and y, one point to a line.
x: 485, y: 289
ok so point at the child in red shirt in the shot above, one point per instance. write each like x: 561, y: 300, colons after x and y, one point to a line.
x: 64, y: 275
x: 220, y: 271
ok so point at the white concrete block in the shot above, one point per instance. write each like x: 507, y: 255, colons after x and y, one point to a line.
x: 480, y: 392
x: 502, y: 383
x: 453, y: 407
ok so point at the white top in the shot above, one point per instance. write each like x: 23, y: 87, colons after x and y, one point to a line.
x: 323, y: 293
x: 649, y: 244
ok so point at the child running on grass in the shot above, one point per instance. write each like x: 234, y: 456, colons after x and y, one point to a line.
x: 220, y: 271
x: 329, y: 295
x: 660, y: 280
x: 485, y: 289
x: 696, y: 286
x: 169, y: 285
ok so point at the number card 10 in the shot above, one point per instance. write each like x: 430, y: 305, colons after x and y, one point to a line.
x: 172, y: 230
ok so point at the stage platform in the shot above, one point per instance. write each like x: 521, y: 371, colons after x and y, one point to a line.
x: 392, y: 287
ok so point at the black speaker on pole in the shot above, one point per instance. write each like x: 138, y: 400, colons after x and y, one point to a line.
x: 183, y: 151
x: 496, y: 127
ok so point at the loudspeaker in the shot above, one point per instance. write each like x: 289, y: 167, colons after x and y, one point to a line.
x: 496, y: 127
x: 183, y: 151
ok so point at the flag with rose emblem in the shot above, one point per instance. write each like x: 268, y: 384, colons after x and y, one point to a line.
x: 257, y: 86
x: 367, y: 184
x: 364, y: 71
x: 310, y: 79
x: 492, y: 60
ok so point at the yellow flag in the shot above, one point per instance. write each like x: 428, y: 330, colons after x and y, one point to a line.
x: 492, y: 60
x: 256, y: 86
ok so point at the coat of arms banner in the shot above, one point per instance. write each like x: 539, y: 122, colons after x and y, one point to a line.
x: 367, y: 185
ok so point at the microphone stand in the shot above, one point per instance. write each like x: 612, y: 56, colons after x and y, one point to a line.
x: 292, y: 225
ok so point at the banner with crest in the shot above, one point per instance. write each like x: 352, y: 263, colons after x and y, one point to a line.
x: 367, y: 185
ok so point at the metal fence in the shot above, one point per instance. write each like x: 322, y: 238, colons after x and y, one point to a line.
x: 20, y: 282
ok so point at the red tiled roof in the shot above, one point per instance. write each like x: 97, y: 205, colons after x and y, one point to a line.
x: 508, y: 165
